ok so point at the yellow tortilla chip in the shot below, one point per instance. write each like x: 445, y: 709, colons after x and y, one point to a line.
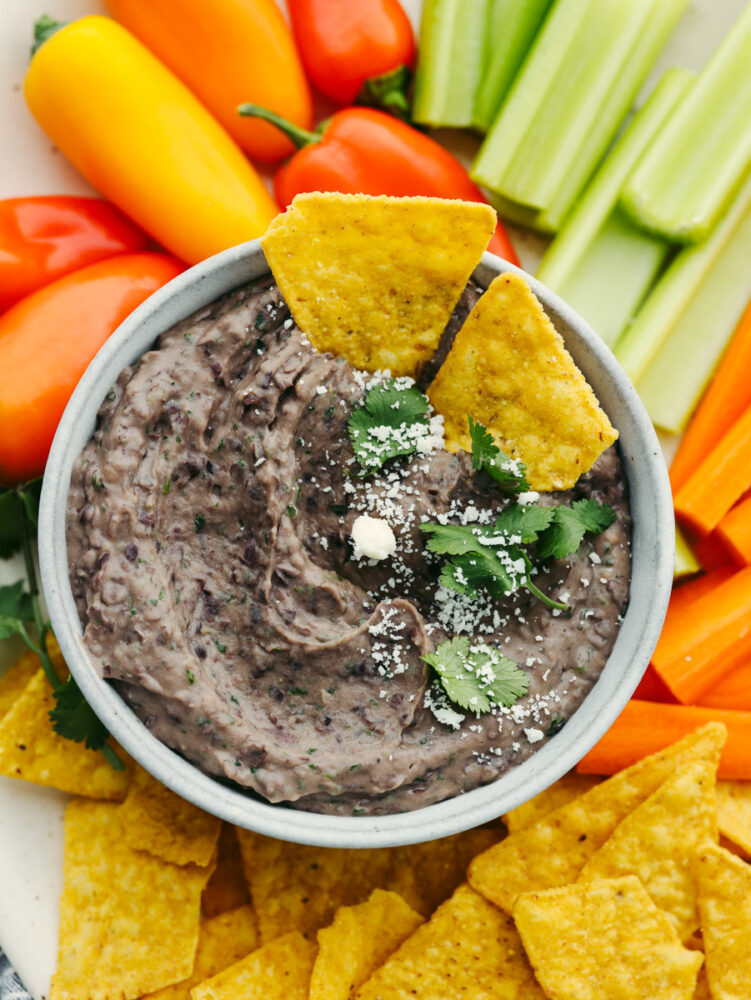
x: 567, y: 788
x: 278, y: 971
x: 222, y: 941
x: 509, y: 369
x: 467, y: 949
x: 659, y: 841
x: 604, y: 940
x: 13, y: 682
x: 725, y: 908
x: 160, y: 822
x: 128, y: 920
x: 375, y: 279
x: 357, y: 942
x: 440, y: 866
x: 227, y: 888
x: 554, y: 850
x: 297, y: 887
x: 734, y: 812
x: 702, y: 986
x: 30, y: 749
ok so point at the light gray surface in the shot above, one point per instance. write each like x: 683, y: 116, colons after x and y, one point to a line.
x: 652, y: 571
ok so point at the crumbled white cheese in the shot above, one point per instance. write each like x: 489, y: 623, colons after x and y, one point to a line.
x: 534, y: 735
x: 372, y: 538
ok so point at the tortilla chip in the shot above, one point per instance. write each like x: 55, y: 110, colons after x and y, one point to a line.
x: 554, y: 850
x: 30, y: 749
x: 278, y: 971
x: 659, y: 841
x: 734, y: 812
x: 724, y: 883
x: 160, y: 822
x: 702, y: 986
x: 13, y: 682
x: 467, y: 949
x: 567, y: 788
x: 604, y: 939
x: 222, y: 941
x: 438, y: 867
x: 375, y: 279
x: 297, y: 887
x: 227, y: 888
x: 509, y: 369
x: 359, y: 940
x: 128, y: 920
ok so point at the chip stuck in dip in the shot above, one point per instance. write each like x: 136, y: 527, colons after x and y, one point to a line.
x: 307, y: 580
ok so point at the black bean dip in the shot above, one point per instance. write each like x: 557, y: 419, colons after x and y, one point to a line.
x: 209, y: 524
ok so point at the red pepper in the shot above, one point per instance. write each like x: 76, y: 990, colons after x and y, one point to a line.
x: 344, y: 43
x: 47, y: 341
x: 364, y: 151
x: 43, y: 238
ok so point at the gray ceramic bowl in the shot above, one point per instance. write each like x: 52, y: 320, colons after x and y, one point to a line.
x: 652, y: 570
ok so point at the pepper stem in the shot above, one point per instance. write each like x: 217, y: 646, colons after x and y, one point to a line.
x: 299, y: 136
x: 388, y: 92
x: 45, y: 27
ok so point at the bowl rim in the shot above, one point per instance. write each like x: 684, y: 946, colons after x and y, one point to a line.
x: 651, y: 580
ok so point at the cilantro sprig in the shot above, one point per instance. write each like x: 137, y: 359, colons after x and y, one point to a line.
x: 509, y: 473
x: 477, y: 677
x: 494, y: 557
x: 393, y: 421
x: 72, y: 717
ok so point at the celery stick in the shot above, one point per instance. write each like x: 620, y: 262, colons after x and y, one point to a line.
x: 592, y: 66
x: 616, y: 271
x: 531, y: 89
x: 453, y: 39
x: 685, y: 561
x: 600, y: 262
x: 512, y: 27
x: 672, y: 316
x: 663, y: 19
x: 689, y: 173
x: 583, y: 225
x: 511, y: 211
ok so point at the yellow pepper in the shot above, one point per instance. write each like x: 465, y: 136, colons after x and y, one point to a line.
x: 142, y: 139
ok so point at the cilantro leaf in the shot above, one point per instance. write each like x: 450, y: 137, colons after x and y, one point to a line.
x: 569, y: 526
x: 14, y: 506
x: 15, y: 610
x: 484, y: 558
x: 477, y: 677
x: 523, y: 523
x: 73, y: 717
x: 392, y: 422
x: 508, y: 472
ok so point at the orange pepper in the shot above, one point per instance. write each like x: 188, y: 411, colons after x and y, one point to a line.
x: 139, y: 136
x: 228, y: 51
x: 47, y: 341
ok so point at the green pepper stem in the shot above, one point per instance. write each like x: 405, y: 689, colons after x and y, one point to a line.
x: 299, y: 136
x: 45, y: 27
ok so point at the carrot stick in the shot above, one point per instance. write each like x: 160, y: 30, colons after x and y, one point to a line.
x: 689, y: 592
x: 732, y: 691
x: 653, y: 688
x: 706, y: 639
x: 721, y: 479
x: 734, y: 530
x: 712, y: 553
x: 644, y: 728
x: 728, y: 395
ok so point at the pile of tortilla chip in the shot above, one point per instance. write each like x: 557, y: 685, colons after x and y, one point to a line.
x: 376, y: 280
x: 594, y: 890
